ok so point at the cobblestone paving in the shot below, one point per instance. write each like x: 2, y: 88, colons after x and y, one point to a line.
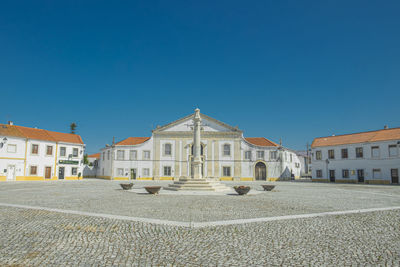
x: 288, y: 198
x: 41, y: 238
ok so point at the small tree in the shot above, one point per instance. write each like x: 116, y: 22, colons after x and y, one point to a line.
x: 85, y: 159
x: 72, y: 127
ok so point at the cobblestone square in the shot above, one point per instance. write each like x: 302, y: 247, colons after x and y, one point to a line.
x: 102, y: 228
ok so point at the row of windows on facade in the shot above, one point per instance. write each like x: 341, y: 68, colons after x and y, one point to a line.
x: 226, y: 171
x: 376, y: 173
x: 12, y: 148
x: 33, y: 170
x: 375, y: 152
x: 167, y: 151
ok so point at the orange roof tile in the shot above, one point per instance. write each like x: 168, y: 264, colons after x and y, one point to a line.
x: 260, y: 141
x: 363, y: 137
x: 96, y: 155
x: 39, y: 134
x: 131, y: 141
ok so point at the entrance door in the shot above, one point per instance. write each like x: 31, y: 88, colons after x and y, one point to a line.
x: 360, y: 176
x: 261, y: 171
x: 61, y: 171
x: 11, y: 172
x: 332, y: 175
x: 47, y: 172
x: 133, y: 174
x: 395, y: 176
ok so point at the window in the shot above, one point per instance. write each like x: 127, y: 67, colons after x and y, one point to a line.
x: 226, y: 171
x: 63, y: 151
x: 359, y: 152
x: 345, y: 153
x: 47, y: 172
x: 260, y: 154
x: 376, y: 173
x: 120, y: 171
x: 345, y: 174
x: 132, y: 154
x: 33, y: 170
x: 318, y: 155
x: 146, y: 172
x: 12, y: 148
x: 273, y: 155
x: 49, y: 150
x: 75, y: 152
x: 120, y: 155
x: 146, y: 154
x: 108, y: 154
x: 167, y: 170
x: 167, y: 150
x: 331, y: 154
x: 247, y: 155
x: 74, y: 171
x: 227, y: 150
x: 35, y: 149
x: 104, y: 155
x: 319, y: 173
x: 375, y: 151
x: 393, y: 151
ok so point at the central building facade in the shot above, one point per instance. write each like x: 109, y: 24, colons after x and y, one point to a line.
x: 226, y: 155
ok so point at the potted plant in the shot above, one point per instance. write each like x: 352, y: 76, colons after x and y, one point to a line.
x: 152, y: 189
x: 268, y: 187
x: 242, y: 189
x: 126, y: 186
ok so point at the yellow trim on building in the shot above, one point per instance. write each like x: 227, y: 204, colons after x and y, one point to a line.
x: 144, y: 178
x: 105, y: 177
x: 167, y: 178
x: 72, y: 178
x: 246, y: 179
x: 121, y: 178
x: 377, y: 181
x: 320, y: 180
x: 272, y: 179
x: 3, y: 178
x: 346, y: 181
x: 30, y: 178
x: 26, y: 153
x: 226, y: 178
x: 12, y: 158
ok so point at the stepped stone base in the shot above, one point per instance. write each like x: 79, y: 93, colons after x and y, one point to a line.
x: 197, y: 185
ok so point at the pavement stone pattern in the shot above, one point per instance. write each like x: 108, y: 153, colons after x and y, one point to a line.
x: 43, y: 238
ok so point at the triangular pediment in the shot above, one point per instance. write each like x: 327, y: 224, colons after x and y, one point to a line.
x: 208, y: 125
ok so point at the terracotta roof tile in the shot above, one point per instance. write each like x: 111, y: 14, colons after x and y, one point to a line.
x: 131, y: 141
x: 96, y: 155
x: 39, y: 134
x: 260, y: 141
x: 363, y: 137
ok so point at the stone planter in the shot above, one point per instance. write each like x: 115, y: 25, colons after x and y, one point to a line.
x: 126, y: 186
x: 152, y: 189
x: 268, y: 187
x: 242, y: 190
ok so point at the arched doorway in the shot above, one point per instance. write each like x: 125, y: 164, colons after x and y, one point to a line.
x: 261, y: 171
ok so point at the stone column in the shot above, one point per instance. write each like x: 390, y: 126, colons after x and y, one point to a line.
x: 197, y: 162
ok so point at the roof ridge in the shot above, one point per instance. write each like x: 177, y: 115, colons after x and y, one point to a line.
x: 395, y: 128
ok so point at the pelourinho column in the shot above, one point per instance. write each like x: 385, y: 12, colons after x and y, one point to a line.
x: 197, y: 162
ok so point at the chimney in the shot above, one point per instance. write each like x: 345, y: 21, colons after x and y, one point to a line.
x: 10, y: 123
x: 385, y: 127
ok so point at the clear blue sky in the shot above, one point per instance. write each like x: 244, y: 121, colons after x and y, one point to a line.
x: 280, y: 69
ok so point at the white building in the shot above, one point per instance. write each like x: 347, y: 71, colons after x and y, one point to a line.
x: 367, y: 157
x: 28, y: 154
x: 227, y: 155
x: 90, y: 170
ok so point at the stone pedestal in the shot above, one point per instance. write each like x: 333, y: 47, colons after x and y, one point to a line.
x: 197, y: 185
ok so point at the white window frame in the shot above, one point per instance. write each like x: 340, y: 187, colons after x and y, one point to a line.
x: 30, y: 170
x: 52, y: 150
x: 318, y: 155
x: 120, y: 154
x: 247, y: 155
x: 273, y: 154
x: 166, y: 172
x: 73, y: 152
x: 395, y: 150
x: 165, y: 149
x: 259, y: 153
x: 38, y: 147
x: 144, y: 154
x: 146, y: 172
x: 10, y: 146
x: 224, y: 174
x: 72, y: 171
x: 378, y: 153
x: 132, y: 154
x: 378, y: 171
x: 63, y: 148
x: 120, y: 172
x: 317, y: 172
x: 226, y: 152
